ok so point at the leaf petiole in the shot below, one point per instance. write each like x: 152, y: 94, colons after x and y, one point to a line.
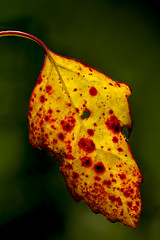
x: 24, y: 35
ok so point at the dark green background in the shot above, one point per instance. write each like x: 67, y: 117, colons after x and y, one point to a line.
x: 119, y: 38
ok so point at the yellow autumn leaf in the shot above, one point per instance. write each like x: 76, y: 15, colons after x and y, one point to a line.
x: 76, y: 114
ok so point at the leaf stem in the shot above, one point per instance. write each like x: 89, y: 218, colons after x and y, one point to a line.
x: 24, y: 35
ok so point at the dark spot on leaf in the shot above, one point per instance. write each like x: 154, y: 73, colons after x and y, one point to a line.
x: 122, y: 176
x: 99, y: 168
x: 46, y: 118
x: 75, y: 175
x: 61, y: 136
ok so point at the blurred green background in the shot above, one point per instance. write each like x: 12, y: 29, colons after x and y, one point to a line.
x: 119, y: 38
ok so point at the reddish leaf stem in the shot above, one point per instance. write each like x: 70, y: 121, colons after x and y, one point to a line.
x: 24, y: 35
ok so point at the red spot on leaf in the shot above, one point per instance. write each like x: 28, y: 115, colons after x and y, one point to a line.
x: 114, y: 180
x: 86, y: 161
x: 110, y: 111
x: 68, y: 146
x: 50, y: 111
x: 53, y: 127
x: 68, y: 166
x: 99, y: 168
x: 113, y: 199
x: 97, y: 178
x: 121, y: 213
x: 46, y: 135
x: 68, y: 104
x: 68, y: 124
x: 30, y: 108
x: 39, y: 80
x: 69, y: 156
x: 61, y: 136
x: 49, y: 89
x: 107, y: 183
x: 120, y: 149
x: 93, y: 91
x: 86, y: 144
x: 115, y: 139
x: 118, y: 84
x: 90, y: 132
x: 122, y: 176
x: 137, y: 203
x: 135, y: 208
x: 46, y: 118
x: 42, y: 99
x: 75, y: 175
x: 55, y: 141
x: 129, y: 204
x: 113, y: 124
x: 127, y: 193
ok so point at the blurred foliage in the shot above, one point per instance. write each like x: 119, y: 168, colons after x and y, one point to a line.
x: 121, y: 39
